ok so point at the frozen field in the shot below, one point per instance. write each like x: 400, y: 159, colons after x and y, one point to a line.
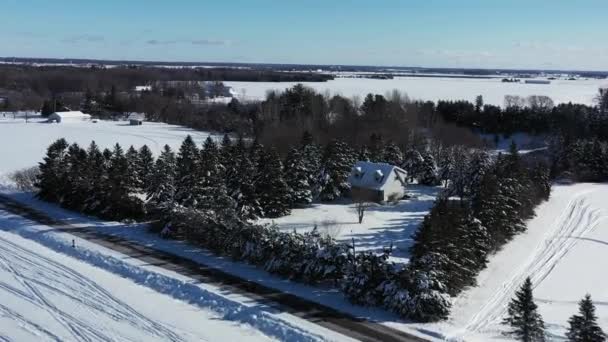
x: 24, y: 145
x: 564, y: 251
x: 433, y: 89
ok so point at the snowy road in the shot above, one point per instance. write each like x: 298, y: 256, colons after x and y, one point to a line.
x: 46, y: 296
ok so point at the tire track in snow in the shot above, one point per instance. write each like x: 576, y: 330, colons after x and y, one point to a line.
x: 38, y: 274
x: 576, y: 221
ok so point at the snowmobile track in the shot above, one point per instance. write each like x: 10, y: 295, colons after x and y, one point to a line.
x: 313, y: 312
x: 576, y: 221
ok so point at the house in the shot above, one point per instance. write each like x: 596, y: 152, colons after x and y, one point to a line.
x: 71, y: 116
x: 136, y: 119
x: 377, y: 182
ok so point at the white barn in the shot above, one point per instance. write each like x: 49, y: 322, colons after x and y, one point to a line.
x: 377, y: 182
x: 136, y: 119
x: 68, y: 116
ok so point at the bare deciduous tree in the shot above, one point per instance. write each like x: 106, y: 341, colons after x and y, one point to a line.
x: 361, y: 207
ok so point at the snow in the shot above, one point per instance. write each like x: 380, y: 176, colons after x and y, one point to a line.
x: 50, y: 296
x: 241, y: 314
x: 382, y: 226
x: 564, y: 252
x: 24, y: 144
x: 437, y: 88
x: 326, y: 296
x: 372, y: 175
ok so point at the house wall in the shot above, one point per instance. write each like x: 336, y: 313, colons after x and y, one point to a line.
x: 366, y: 195
x: 393, y: 187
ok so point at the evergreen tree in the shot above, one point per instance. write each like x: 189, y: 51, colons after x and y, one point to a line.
x: 477, y: 167
x: 161, y: 187
x: 247, y: 198
x: 297, y: 176
x: 187, y: 183
x: 97, y: 176
x: 134, y: 178
x: 413, y: 164
x: 337, y: 164
x: 446, y: 165
x: 363, y: 154
x: 213, y: 193
x: 312, y: 160
x: 272, y: 189
x: 75, y: 183
x: 145, y: 166
x: 392, y: 155
x: 376, y: 147
x: 584, y: 327
x: 523, y: 315
x: 429, y: 174
x: 51, y: 171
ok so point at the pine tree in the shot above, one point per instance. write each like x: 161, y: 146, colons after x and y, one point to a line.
x: 428, y: 174
x: 161, y: 187
x: 145, y: 166
x: 296, y: 176
x: 213, y: 194
x: 337, y: 164
x: 187, y: 183
x: 523, y: 315
x: 271, y: 186
x: 376, y: 147
x: 134, y: 178
x: 584, y: 327
x: 97, y: 175
x: 312, y: 160
x: 478, y: 166
x: 75, y: 183
x: 446, y: 164
x: 413, y: 163
x: 363, y: 154
x: 51, y: 172
x: 247, y: 198
x: 392, y: 155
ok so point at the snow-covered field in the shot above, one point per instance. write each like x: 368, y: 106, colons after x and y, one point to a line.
x: 564, y: 251
x: 23, y: 145
x: 436, y: 88
x: 47, y: 296
x: 382, y: 226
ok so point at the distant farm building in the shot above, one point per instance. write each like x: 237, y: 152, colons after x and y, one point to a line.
x: 72, y: 116
x: 538, y: 82
x: 136, y: 119
x: 377, y: 182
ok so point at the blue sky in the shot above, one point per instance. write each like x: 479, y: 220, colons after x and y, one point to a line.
x: 563, y: 34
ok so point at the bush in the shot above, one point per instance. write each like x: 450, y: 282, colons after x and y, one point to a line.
x: 25, y: 179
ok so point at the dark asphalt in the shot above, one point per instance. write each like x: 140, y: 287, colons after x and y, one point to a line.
x: 322, y: 315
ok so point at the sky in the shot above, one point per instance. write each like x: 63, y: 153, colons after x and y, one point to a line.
x: 545, y: 34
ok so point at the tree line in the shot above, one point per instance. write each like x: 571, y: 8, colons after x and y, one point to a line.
x: 208, y: 196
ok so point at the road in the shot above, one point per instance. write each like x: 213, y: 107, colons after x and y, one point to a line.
x: 322, y: 315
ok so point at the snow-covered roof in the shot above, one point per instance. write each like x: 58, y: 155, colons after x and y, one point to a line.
x: 143, y: 88
x: 76, y: 114
x: 137, y: 116
x: 375, y: 175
